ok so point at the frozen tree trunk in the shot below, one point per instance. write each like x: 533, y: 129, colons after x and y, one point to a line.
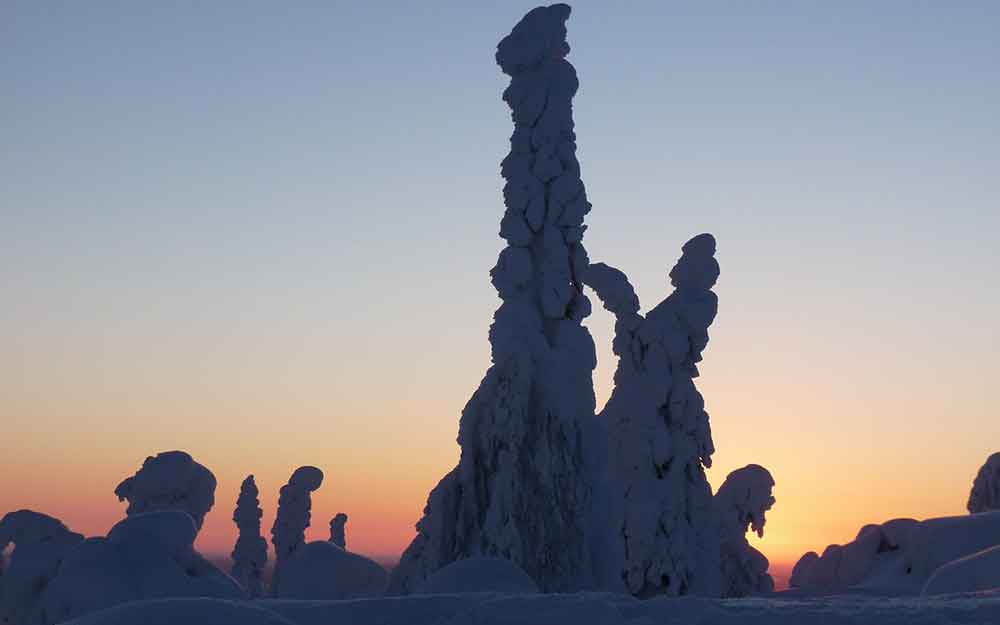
x: 250, y: 553
x: 741, y: 504
x: 520, y: 491
x: 288, y: 534
x: 171, y: 480
x: 663, y: 531
x: 337, y: 530
x: 985, y: 495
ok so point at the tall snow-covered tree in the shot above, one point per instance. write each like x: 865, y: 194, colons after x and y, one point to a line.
x: 250, y: 552
x: 520, y: 490
x: 664, y: 537
x: 288, y: 533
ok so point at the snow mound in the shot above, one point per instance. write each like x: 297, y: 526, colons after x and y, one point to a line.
x: 973, y: 573
x: 985, y: 493
x: 171, y: 480
x: 322, y: 570
x: 479, y: 575
x: 897, y: 557
x: 145, y: 556
x: 195, y: 611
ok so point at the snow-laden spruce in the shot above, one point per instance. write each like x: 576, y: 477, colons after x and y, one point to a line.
x: 338, y: 526
x: 41, y: 543
x: 741, y: 504
x: 288, y: 533
x: 250, y: 552
x: 985, y: 493
x: 171, y: 480
x: 664, y: 535
x: 519, y: 491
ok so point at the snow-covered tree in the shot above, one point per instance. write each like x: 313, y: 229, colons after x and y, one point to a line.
x: 520, y: 490
x: 663, y: 532
x: 288, y: 534
x: 337, y: 530
x: 741, y: 503
x: 985, y: 495
x: 171, y: 480
x: 41, y: 543
x: 250, y: 552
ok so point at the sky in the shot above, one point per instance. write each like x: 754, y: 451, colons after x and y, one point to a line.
x: 262, y: 232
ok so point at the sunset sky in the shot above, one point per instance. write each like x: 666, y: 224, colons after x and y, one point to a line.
x: 262, y: 234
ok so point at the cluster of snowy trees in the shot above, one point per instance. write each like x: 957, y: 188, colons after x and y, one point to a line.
x: 54, y: 574
x: 549, y: 494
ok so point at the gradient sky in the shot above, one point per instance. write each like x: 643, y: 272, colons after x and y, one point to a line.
x: 262, y: 234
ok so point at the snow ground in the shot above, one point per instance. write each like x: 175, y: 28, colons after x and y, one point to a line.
x: 569, y: 609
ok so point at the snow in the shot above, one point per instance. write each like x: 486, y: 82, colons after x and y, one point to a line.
x: 975, y: 572
x: 288, y: 533
x: 322, y: 570
x: 741, y: 503
x: 898, y: 557
x: 250, y: 552
x: 661, y: 530
x: 567, y: 609
x: 149, y: 555
x: 521, y: 489
x: 171, y: 480
x: 479, y: 575
x: 338, y: 526
x: 985, y: 494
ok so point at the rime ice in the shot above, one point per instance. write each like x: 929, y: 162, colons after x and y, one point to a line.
x: 171, y: 480
x: 250, y: 552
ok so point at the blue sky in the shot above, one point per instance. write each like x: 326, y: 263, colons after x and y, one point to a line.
x: 213, y: 215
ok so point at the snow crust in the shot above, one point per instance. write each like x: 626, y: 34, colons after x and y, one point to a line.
x: 171, y: 480
x: 520, y: 490
x: 566, y: 609
x: 479, y: 575
x: 985, y: 493
x: 250, y: 552
x: 741, y: 504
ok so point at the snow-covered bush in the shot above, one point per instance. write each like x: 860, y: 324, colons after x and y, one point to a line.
x: 664, y: 534
x: 322, y: 570
x: 171, y: 480
x: 985, y: 493
x: 741, y: 503
x: 250, y: 552
x: 145, y: 556
x: 337, y: 530
x: 41, y: 543
x: 520, y: 491
x: 288, y: 533
x: 479, y: 575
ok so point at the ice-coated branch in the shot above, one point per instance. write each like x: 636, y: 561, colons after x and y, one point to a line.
x: 985, y: 494
x: 741, y: 504
x: 292, y: 519
x: 337, y: 530
x: 171, y: 480
x: 519, y: 491
x: 250, y: 552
